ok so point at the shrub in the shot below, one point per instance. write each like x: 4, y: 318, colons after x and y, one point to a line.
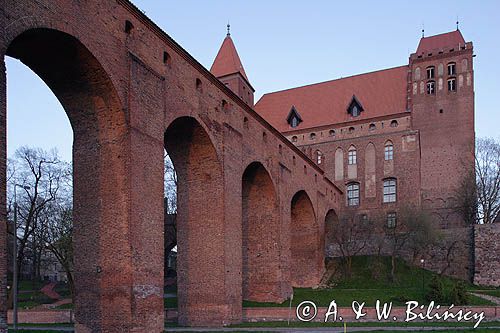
x: 459, y: 294
x: 435, y: 292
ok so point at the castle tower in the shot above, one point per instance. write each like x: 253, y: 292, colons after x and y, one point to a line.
x: 441, y: 97
x: 227, y: 68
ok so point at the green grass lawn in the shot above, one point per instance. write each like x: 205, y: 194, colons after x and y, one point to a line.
x: 495, y: 293
x: 366, y: 286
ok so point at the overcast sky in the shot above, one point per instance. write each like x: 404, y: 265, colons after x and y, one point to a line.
x: 285, y: 44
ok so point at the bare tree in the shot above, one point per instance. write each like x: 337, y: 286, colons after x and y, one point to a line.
x: 467, y: 199
x: 412, y: 231
x: 351, y: 236
x: 41, y: 173
x: 488, y: 179
x: 170, y: 203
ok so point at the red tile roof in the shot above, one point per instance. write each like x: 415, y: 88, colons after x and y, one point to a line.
x: 227, y: 60
x: 381, y: 93
x: 438, y: 42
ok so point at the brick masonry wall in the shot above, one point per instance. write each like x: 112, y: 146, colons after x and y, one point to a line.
x: 131, y: 87
x: 487, y: 254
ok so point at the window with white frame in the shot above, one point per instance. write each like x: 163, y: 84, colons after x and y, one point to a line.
x: 430, y: 72
x: 351, y: 156
x: 391, y: 220
x: 452, y: 68
x: 452, y: 84
x: 353, y: 194
x: 431, y: 87
x: 388, y: 151
x: 389, y: 190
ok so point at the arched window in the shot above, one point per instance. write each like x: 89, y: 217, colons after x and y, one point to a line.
x: 430, y: 72
x: 312, y: 136
x: 294, y: 138
x: 319, y: 157
x: 394, y: 123
x: 388, y: 151
x: 353, y: 194
x: 351, y: 129
x: 351, y: 156
x: 372, y: 127
x: 452, y: 69
x: 389, y: 190
x: 332, y: 132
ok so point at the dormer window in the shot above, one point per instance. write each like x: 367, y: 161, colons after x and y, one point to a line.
x: 355, y: 108
x: 293, y: 118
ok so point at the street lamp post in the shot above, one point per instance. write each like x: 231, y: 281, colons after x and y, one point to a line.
x: 422, y: 261
x: 14, y: 264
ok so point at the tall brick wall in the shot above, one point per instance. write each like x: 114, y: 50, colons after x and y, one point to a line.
x: 122, y: 89
x: 487, y: 254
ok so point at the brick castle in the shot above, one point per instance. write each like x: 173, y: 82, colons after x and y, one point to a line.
x: 390, y: 138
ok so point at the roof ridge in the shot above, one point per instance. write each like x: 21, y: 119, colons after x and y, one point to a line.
x: 328, y: 81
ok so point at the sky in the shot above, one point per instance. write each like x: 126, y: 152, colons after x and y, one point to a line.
x: 285, y: 44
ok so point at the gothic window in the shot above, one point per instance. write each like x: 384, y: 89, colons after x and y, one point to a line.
x: 390, y: 190
x: 430, y: 72
x: 355, y: 108
x: 353, y: 194
x: 351, y: 156
x: 431, y: 88
x: 452, y: 69
x: 293, y: 118
x: 391, y: 220
x: 452, y: 84
x: 388, y: 151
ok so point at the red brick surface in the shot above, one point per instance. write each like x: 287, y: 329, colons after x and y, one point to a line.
x: 121, y: 97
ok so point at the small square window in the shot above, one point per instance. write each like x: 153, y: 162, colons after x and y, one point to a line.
x: 391, y: 220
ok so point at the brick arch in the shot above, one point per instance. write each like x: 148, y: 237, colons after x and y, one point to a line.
x: 260, y: 236
x: 331, y: 219
x: 200, y: 220
x: 306, y: 249
x: 101, y: 211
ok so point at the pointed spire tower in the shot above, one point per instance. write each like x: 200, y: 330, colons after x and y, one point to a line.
x: 228, y: 69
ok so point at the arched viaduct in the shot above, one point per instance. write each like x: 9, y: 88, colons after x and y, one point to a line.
x: 251, y: 207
